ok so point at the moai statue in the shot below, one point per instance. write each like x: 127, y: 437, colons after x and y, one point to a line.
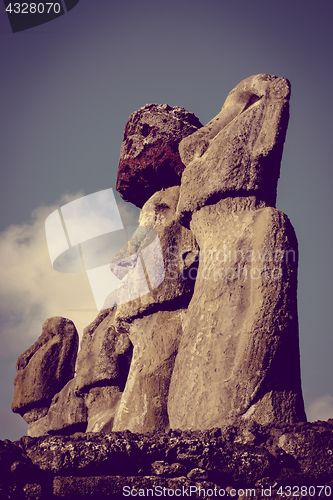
x: 238, y: 358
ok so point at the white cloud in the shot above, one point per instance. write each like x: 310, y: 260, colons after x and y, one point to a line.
x: 31, y: 290
x: 129, y: 213
x: 91, y: 216
x: 320, y: 409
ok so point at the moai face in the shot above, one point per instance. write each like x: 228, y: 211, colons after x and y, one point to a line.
x: 238, y: 153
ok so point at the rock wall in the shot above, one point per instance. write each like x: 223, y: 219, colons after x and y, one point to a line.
x: 250, y: 461
x: 149, y: 159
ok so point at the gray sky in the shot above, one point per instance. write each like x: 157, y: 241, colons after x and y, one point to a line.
x: 67, y: 89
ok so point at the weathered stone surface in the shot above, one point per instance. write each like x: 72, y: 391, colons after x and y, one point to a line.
x: 198, y: 474
x: 104, y: 356
x: 16, y: 471
x: 38, y: 428
x: 99, y: 466
x: 153, y: 320
x: 239, y: 353
x: 139, y: 265
x: 239, y: 151
x: 67, y: 413
x: 162, y: 468
x: 311, y: 447
x: 44, y: 368
x: 149, y: 158
x: 203, y: 330
x: 118, y: 487
x: 102, y: 403
x: 106, y: 347
x: 170, y: 266
x: 143, y: 406
x: 35, y: 414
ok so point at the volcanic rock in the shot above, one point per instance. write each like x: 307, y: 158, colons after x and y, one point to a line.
x: 149, y: 158
x: 238, y: 153
x: 202, y: 331
x: 153, y: 321
x: 239, y: 354
x: 139, y: 266
x: 67, y: 413
x: 102, y: 368
x: 143, y: 405
x: 44, y: 368
x: 102, y: 404
x: 104, y: 357
x: 39, y: 428
x: 35, y: 414
x: 172, y: 267
x: 216, y: 463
